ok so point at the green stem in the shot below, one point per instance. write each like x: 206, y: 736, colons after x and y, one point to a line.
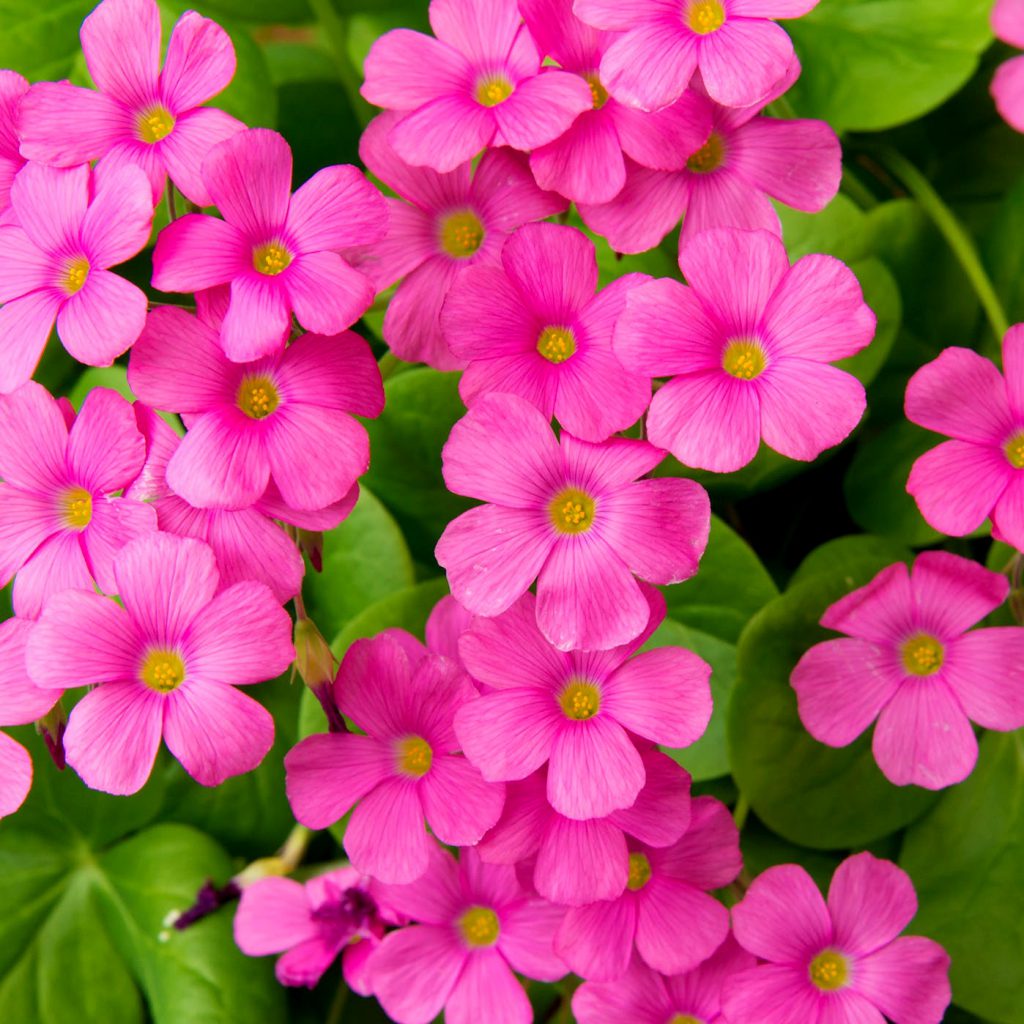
x: 740, y: 811
x: 172, y: 205
x: 335, y: 28
x: 857, y: 190
x: 953, y: 231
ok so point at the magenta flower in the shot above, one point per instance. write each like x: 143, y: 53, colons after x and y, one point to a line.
x: 448, y: 222
x: 12, y: 88
x: 533, y: 327
x: 404, y: 770
x: 665, y: 887
x: 21, y: 702
x: 838, y: 963
x: 586, y: 163
x: 580, y: 862
x: 642, y: 996
x: 908, y: 660
x: 571, y: 515
x: 747, y: 343
x: 576, y: 709
x: 277, y: 251
x: 475, y: 926
x: 729, y: 182
x: 284, y: 418
x: 478, y: 84
x: 740, y: 52
x: 1008, y: 84
x: 68, y: 227
x: 140, y: 115
x: 167, y: 663
x: 331, y: 914
x: 446, y: 623
x: 61, y: 523
x: 977, y: 475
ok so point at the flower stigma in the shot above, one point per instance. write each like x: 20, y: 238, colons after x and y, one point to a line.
x: 462, y: 234
x: 479, y: 927
x: 580, y: 700
x: 557, y: 344
x: 155, y: 124
x: 743, y: 359
x: 829, y: 970
x: 705, y: 16
x: 922, y: 655
x: 163, y: 671
x: 77, y: 508
x: 572, y: 511
x: 415, y: 756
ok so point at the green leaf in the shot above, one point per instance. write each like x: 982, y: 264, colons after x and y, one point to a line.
x: 874, y: 64
x: 845, y: 558
x: 1004, y: 255
x: 964, y: 859
x: 41, y: 40
x: 808, y: 793
x: 270, y: 11
x: 763, y: 849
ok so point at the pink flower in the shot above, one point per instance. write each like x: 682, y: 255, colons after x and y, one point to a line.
x: 580, y: 862
x: 311, y: 924
x: 476, y: 925
x: 141, y: 115
x: 167, y: 664
x: 570, y: 514
x: 447, y: 621
x: 277, y: 251
x: 641, y: 996
x: 738, y: 50
x: 977, y: 475
x: 12, y: 88
x: 61, y: 524
x: 533, y: 327
x: 835, y: 964
x: 576, y: 709
x: 666, y: 887
x: 586, y: 164
x: 449, y: 222
x: 908, y: 660
x: 729, y: 181
x: 747, y: 344
x: 478, y: 84
x: 21, y: 702
x: 1008, y: 83
x: 284, y: 418
x: 403, y: 770
x: 68, y: 227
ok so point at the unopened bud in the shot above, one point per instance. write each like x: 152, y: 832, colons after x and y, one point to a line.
x: 316, y: 665
x: 51, y: 727
x: 311, y: 544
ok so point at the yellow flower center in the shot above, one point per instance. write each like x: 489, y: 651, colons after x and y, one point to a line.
x: 480, y: 927
x: 705, y: 16
x: 572, y: 511
x: 75, y: 273
x: 163, y: 671
x: 271, y: 259
x: 494, y: 90
x: 639, y: 871
x: 1014, y: 450
x: 414, y: 756
x: 257, y: 397
x: 580, y: 701
x: 597, y: 90
x: 922, y: 655
x: 556, y: 344
x: 155, y: 124
x: 77, y: 509
x: 709, y: 157
x: 461, y: 234
x: 829, y: 970
x: 743, y: 359
x: 684, y: 1018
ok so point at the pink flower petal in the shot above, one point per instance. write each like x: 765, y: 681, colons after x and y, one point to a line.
x: 880, y: 611
x: 585, y: 163
x: 597, y: 941
x: 105, y: 449
x: 481, y: 31
x: 103, y: 320
x: 326, y: 293
x: 507, y: 194
x: 1008, y: 92
x: 435, y: 897
x: 1007, y: 22
x: 524, y: 820
x: 113, y: 734
x: 534, y: 250
x: 251, y: 546
x: 196, y: 252
x: 406, y: 69
x: 21, y: 701
x: 183, y: 151
x: 662, y: 944
x: 379, y: 709
x: 386, y: 836
x: 200, y: 63
x: 327, y: 774
x: 661, y: 814
x: 708, y: 855
x: 639, y: 996
x: 923, y: 736
x: 527, y: 939
x: 581, y: 862
x: 47, y: 110
x: 26, y: 267
x: 952, y: 593
x: 983, y: 668
x: 33, y: 437
x: 1008, y: 514
x: 487, y: 989
x: 332, y: 372
x: 414, y: 971
x: 57, y: 564
x: 459, y: 805
x: 412, y: 323
x: 443, y: 133
x: 724, y: 200
x: 773, y: 994
x: 114, y: 523
x: 258, y: 319
x: 741, y: 62
x: 666, y: 138
x: 649, y: 66
x: 26, y: 521
x: 307, y: 962
x: 337, y: 208
x: 908, y: 980
x: 121, y: 42
x: 871, y: 901
x: 25, y: 326
x: 15, y: 773
x: 118, y: 222
x: 410, y: 241
x: 273, y: 915
x: 541, y: 109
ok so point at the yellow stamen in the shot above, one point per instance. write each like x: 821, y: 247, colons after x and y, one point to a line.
x: 77, y: 504
x: 597, y: 90
x: 1014, y: 450
x: 709, y: 157
x: 705, y: 16
x: 494, y: 90
x: 461, y: 234
x: 639, y: 871
x: 743, y: 359
x: 271, y: 259
x: 829, y: 970
x: 480, y: 927
x: 414, y: 756
x: 75, y: 273
x: 922, y: 655
x: 572, y: 511
x: 163, y: 671
x: 155, y: 124
x: 556, y: 344
x: 257, y: 397
x: 685, y: 1018
x: 580, y: 700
